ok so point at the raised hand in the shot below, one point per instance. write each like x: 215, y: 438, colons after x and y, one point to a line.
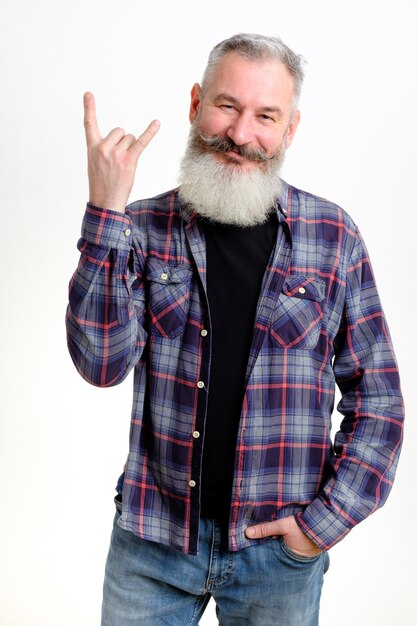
x: 112, y: 161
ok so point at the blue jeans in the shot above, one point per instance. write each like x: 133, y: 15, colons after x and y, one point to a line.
x: 266, y: 584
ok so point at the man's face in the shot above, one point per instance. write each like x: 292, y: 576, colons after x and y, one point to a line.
x: 240, y: 129
x: 249, y: 103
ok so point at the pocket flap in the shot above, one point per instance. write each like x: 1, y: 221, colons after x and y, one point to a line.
x: 161, y: 272
x: 307, y: 287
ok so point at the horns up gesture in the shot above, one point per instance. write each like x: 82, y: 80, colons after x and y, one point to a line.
x: 112, y: 160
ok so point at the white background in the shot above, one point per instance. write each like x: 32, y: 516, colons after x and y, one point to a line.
x: 63, y: 443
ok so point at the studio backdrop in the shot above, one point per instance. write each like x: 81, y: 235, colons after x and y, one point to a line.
x: 63, y: 443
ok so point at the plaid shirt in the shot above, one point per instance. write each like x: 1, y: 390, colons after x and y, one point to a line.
x: 138, y: 300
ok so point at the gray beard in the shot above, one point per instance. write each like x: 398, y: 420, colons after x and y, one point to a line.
x: 228, y: 194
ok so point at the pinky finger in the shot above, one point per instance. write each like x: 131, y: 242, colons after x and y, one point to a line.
x: 145, y: 138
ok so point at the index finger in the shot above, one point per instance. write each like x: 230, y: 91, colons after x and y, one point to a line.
x: 92, y: 132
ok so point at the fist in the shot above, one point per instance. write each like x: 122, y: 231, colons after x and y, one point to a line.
x: 112, y: 160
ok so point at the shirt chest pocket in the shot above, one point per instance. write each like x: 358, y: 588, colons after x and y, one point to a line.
x: 296, y: 321
x: 168, y: 297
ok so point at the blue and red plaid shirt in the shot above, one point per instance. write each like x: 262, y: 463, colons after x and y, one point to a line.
x: 138, y: 300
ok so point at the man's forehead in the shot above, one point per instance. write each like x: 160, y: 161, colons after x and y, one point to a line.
x: 236, y: 72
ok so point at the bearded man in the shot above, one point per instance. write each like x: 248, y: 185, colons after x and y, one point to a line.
x: 240, y: 302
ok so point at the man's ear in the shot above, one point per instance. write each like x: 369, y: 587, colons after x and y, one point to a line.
x: 295, y: 120
x: 195, y: 102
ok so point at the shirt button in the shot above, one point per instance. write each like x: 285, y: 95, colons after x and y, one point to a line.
x: 196, y: 434
x: 200, y: 384
x: 204, y: 333
x: 301, y: 290
x: 164, y: 276
x: 192, y: 483
x: 127, y: 232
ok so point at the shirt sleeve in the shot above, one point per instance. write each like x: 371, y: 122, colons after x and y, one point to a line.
x: 105, y: 315
x: 367, y: 446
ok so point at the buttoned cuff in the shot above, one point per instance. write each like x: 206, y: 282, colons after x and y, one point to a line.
x: 106, y: 228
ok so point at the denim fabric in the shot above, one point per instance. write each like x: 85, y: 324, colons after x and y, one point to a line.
x: 266, y: 584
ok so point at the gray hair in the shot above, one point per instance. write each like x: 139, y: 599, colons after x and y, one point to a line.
x: 258, y: 48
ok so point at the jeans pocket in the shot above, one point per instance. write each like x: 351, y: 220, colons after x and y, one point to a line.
x: 289, y: 553
x: 118, y: 503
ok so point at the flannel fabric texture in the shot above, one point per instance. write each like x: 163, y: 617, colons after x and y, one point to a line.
x: 138, y: 301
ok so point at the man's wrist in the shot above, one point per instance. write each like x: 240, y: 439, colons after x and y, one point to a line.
x: 106, y: 206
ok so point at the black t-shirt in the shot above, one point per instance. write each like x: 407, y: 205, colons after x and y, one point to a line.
x: 236, y: 261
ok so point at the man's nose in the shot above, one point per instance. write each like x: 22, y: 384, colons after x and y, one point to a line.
x: 241, y: 130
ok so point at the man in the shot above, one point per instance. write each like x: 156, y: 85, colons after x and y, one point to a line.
x: 240, y: 302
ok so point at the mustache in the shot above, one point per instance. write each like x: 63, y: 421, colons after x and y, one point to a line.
x: 225, y: 144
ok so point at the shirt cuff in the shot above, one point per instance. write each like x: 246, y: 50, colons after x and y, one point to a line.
x: 322, y: 525
x: 106, y: 228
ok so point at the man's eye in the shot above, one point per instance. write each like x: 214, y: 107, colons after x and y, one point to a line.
x: 267, y: 118
x: 227, y: 106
